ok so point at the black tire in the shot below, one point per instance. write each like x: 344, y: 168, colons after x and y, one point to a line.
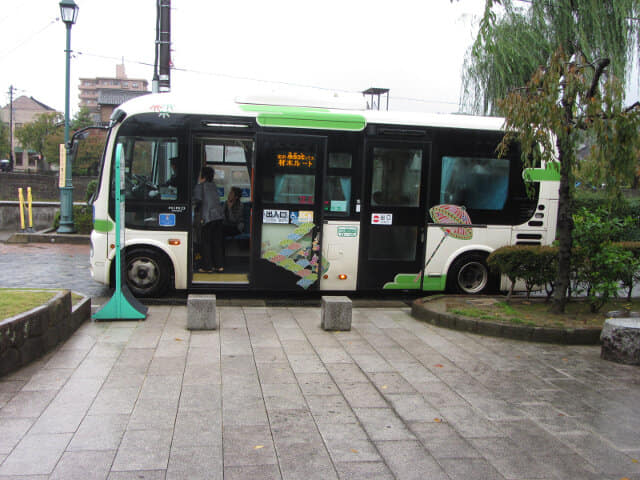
x: 146, y: 272
x: 470, y: 275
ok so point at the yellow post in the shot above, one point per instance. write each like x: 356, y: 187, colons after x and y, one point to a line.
x: 30, y: 206
x: 21, y: 199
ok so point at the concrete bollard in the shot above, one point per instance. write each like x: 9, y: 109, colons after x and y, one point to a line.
x: 336, y: 313
x: 620, y: 339
x: 201, y: 312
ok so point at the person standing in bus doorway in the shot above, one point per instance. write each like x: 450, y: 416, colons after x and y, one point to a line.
x: 205, y: 194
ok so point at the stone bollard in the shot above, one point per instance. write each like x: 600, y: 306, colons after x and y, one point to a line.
x: 336, y: 313
x: 620, y: 339
x: 201, y: 312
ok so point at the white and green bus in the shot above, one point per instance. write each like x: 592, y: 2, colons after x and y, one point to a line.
x: 334, y: 199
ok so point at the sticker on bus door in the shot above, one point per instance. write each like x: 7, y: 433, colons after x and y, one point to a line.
x: 275, y: 216
x: 167, y: 220
x: 382, y: 219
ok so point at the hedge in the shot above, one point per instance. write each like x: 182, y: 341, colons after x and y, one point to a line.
x: 537, y: 266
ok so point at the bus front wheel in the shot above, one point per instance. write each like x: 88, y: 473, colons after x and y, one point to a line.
x: 147, y: 272
x: 469, y: 274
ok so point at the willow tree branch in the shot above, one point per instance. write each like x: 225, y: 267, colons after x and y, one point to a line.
x: 602, y: 64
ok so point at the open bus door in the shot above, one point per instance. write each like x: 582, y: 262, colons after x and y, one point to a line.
x: 231, y: 158
x: 393, y: 216
x: 287, y: 213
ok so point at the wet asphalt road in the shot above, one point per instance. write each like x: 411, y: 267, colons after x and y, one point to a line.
x: 41, y: 265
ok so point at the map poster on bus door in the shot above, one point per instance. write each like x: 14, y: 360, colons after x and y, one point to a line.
x: 122, y: 305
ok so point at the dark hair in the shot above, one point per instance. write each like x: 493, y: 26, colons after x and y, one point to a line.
x: 207, y: 173
x: 238, y: 192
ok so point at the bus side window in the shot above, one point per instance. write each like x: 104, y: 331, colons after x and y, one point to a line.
x: 475, y: 183
x: 396, y: 177
x: 337, y: 187
x: 151, y: 168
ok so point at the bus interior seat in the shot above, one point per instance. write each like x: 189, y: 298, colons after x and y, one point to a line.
x: 246, y: 219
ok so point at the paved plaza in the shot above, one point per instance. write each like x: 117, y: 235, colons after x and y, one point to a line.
x: 271, y: 395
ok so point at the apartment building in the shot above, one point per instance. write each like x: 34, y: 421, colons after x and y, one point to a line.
x: 101, y: 95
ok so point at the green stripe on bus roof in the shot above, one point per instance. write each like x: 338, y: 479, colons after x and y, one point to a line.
x: 305, y: 117
x: 330, y: 121
x: 549, y: 174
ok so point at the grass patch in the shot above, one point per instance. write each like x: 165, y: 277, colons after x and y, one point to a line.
x: 536, y: 312
x: 14, y: 301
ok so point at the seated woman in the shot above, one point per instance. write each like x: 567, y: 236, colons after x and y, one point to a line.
x: 233, y: 223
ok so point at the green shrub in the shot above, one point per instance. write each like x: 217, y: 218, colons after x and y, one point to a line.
x: 535, y: 265
x: 600, y: 265
x: 630, y: 270
x: 82, y: 219
x: 92, y: 186
x: 613, y: 209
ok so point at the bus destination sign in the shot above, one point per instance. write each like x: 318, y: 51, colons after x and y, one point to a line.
x: 295, y: 160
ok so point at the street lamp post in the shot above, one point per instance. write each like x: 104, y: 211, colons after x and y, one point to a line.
x: 69, y: 13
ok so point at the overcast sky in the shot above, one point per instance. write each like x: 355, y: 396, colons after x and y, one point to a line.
x: 415, y: 48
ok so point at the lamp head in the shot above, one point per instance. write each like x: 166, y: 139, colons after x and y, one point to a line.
x: 69, y: 11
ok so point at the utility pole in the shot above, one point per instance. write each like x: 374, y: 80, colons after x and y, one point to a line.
x: 162, y: 66
x: 11, y: 151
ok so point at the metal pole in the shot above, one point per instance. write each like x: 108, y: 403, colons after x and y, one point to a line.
x: 21, y: 201
x: 11, y: 149
x: 66, y: 192
x: 164, y: 79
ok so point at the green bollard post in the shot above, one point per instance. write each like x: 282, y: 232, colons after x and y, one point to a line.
x: 122, y: 305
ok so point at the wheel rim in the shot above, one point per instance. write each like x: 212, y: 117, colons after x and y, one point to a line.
x: 143, y: 273
x: 473, y: 277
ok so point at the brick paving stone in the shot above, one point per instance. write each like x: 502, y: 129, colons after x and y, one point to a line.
x: 271, y: 395
x: 83, y: 465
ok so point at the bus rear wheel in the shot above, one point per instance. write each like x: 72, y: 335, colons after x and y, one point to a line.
x: 469, y: 274
x: 146, y: 272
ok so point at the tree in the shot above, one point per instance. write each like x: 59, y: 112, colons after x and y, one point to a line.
x: 578, y: 86
x: 35, y: 135
x: 89, y: 152
x: 82, y: 119
x: 45, y: 134
x: 4, y: 141
x: 517, y: 37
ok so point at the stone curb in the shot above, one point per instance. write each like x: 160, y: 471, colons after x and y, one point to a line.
x: 29, y: 335
x: 426, y: 309
x: 72, y: 238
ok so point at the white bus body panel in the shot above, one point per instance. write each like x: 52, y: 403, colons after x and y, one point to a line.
x: 484, y: 240
x: 340, y: 249
x: 177, y: 254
